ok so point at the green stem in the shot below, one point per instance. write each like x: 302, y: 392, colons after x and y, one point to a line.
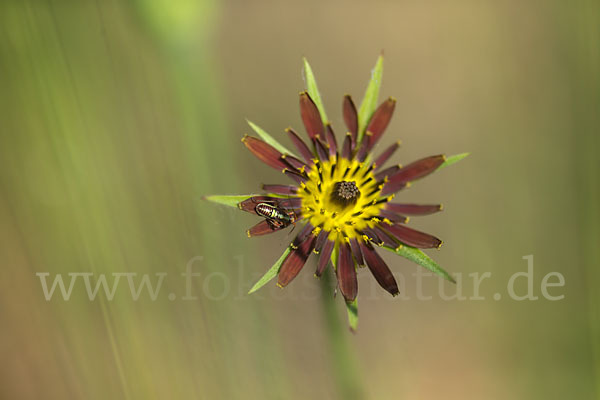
x: 343, y: 360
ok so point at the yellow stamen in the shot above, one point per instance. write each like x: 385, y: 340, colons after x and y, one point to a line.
x: 342, y: 220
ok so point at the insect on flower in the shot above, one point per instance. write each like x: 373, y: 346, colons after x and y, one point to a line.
x: 276, y: 217
x: 341, y: 194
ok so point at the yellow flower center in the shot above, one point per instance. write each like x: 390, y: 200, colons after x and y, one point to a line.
x: 341, y: 196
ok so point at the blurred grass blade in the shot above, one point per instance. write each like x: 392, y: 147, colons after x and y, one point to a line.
x: 271, y: 273
x: 269, y: 139
x: 417, y: 256
x: 313, y: 90
x: 453, y: 159
x: 352, y: 309
x: 369, y: 102
x: 228, y: 200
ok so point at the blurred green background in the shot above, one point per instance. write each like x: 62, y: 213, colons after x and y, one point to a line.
x: 116, y: 117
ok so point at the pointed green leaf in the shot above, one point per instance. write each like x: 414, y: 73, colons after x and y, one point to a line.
x: 229, y: 200
x: 269, y: 139
x: 417, y: 256
x: 232, y: 200
x: 352, y: 309
x: 453, y: 159
x: 271, y: 273
x: 313, y: 90
x: 369, y: 102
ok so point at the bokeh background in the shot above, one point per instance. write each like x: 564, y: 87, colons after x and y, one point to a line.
x: 116, y: 117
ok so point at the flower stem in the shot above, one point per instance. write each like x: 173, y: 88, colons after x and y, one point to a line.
x: 343, y: 360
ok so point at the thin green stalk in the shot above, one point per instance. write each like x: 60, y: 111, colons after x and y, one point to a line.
x: 343, y: 360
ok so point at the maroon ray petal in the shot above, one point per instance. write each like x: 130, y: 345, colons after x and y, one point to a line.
x: 413, y: 171
x: 379, y: 269
x: 418, y: 169
x: 263, y: 228
x: 290, y: 203
x: 331, y: 141
x: 350, y: 117
x: 385, y: 155
x: 294, y: 262
x: 387, y: 172
x: 387, y: 239
x: 310, y: 116
x: 322, y: 151
x: 363, y: 150
x: 392, y: 216
x: 414, y: 209
x: 293, y: 161
x: 300, y: 145
x: 280, y: 189
x: 250, y: 203
x: 346, y: 273
x: 392, y: 187
x: 373, y: 237
x: 265, y: 152
x: 295, y: 175
x: 414, y: 238
x: 379, y: 121
x: 323, y: 234
x: 306, y: 230
x: 347, y: 147
x: 355, y: 248
x: 324, y: 257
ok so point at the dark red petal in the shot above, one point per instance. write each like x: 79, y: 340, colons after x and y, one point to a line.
x: 379, y: 121
x: 294, y: 262
x: 322, y: 151
x: 370, y: 233
x: 392, y: 187
x: 331, y: 141
x: 265, y: 152
x: 262, y: 228
x: 411, y: 172
x: 387, y: 239
x: 346, y: 273
x: 347, y: 147
x: 418, y: 169
x: 350, y: 116
x: 306, y: 230
x: 250, y: 203
x: 387, y: 172
x: 392, y: 216
x: 295, y: 175
x: 300, y: 145
x: 289, y: 203
x: 413, y: 237
x: 293, y: 162
x: 387, y: 153
x: 310, y: 116
x: 355, y: 248
x: 324, y: 257
x: 414, y: 209
x: 363, y: 150
x: 280, y: 189
x: 379, y: 269
x: 323, y: 234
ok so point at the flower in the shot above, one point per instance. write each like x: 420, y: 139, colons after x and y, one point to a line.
x: 341, y: 195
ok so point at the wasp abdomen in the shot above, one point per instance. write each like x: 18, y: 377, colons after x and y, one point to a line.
x: 269, y: 211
